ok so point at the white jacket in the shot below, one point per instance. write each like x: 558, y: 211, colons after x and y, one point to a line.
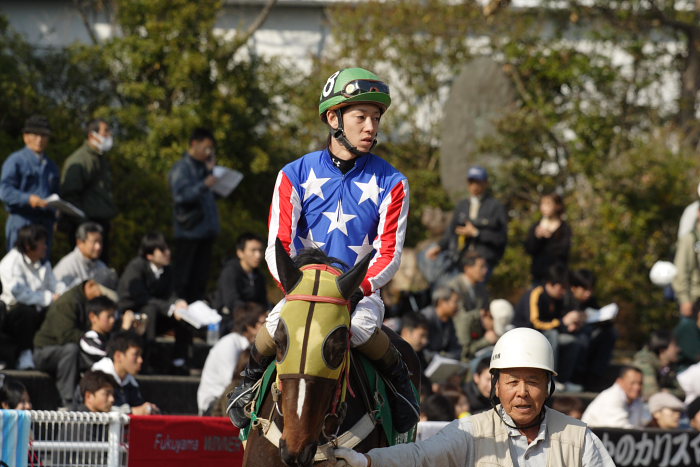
x: 610, y: 409
x: 26, y: 282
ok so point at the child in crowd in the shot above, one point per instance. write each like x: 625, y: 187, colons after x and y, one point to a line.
x: 97, y: 390
x: 93, y: 344
x: 13, y: 395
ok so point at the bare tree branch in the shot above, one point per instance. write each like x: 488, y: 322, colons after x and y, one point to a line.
x: 82, y: 8
x: 242, y: 38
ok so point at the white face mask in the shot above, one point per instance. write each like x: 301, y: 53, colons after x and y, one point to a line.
x: 103, y: 143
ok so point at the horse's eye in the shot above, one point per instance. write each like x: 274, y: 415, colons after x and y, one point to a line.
x: 282, y: 340
x: 334, y: 347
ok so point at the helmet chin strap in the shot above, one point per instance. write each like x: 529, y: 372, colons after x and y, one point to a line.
x: 339, y: 135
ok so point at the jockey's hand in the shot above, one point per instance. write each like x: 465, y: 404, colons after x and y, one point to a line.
x: 348, y: 457
x: 355, y: 298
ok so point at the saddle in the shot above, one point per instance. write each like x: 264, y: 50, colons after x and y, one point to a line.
x: 368, y: 386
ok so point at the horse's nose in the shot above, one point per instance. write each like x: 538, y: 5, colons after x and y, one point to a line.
x: 305, y: 458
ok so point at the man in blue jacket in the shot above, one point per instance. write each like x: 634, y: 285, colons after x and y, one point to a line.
x: 28, y: 178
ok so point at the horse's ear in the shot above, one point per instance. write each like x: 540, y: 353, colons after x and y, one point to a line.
x: 351, y: 280
x: 288, y: 273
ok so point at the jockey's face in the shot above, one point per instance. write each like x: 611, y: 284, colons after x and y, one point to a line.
x: 361, y: 124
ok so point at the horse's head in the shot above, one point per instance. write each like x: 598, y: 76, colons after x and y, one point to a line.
x: 312, y: 346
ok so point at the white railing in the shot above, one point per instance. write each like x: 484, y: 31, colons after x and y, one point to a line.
x: 61, y: 439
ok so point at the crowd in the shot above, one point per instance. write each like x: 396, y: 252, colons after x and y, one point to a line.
x: 92, y: 329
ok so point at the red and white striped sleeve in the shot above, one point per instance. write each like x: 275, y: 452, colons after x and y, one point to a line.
x: 284, y: 215
x: 391, y: 233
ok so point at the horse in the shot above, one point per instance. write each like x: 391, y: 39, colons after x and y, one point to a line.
x: 314, y: 368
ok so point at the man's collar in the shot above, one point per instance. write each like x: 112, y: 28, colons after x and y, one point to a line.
x: 514, y: 432
x: 156, y: 270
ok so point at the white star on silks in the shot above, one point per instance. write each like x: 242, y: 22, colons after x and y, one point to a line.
x: 363, y: 249
x: 339, y: 219
x: 370, y: 190
x: 309, y: 241
x: 312, y: 186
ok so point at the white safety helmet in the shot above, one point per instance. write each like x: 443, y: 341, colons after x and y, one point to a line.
x: 523, y: 348
x: 662, y: 273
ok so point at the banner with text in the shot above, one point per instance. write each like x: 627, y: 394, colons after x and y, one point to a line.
x: 173, y: 441
x: 652, y: 447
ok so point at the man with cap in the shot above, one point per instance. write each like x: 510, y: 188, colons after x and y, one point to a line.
x: 518, y: 430
x: 56, y: 349
x: 28, y: 178
x: 479, y: 223
x: 666, y: 410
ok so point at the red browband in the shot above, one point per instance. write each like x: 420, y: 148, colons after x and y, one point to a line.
x: 316, y: 298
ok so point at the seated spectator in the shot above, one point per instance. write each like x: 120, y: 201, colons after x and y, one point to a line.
x: 241, y: 280
x: 480, y: 329
x: 473, y: 296
x: 123, y: 362
x: 415, y: 329
x: 666, y: 410
x: 693, y: 411
x: 597, y: 339
x: 97, y: 391
x: 549, y: 239
x: 13, y: 394
x: 657, y: 360
x: 222, y: 360
x: 437, y: 408
x: 687, y: 334
x: 569, y: 405
x: 542, y: 308
x: 478, y: 390
x: 621, y: 405
x: 56, y: 349
x: 28, y: 288
x: 458, y: 400
x: 82, y: 263
x: 442, y: 338
x: 147, y: 287
x: 93, y: 344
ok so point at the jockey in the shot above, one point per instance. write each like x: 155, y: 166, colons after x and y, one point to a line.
x: 348, y: 202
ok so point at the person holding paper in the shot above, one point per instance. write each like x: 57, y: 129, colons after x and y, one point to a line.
x: 86, y: 182
x: 28, y: 178
x: 147, y: 287
x: 195, y: 215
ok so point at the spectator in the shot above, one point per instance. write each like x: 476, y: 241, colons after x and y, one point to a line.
x: 415, y: 329
x: 689, y: 381
x: 657, y: 360
x: 621, y: 405
x: 690, y: 216
x: 13, y: 395
x: 478, y: 390
x: 569, y: 405
x: 479, y: 224
x: 86, y: 181
x: 549, y: 239
x: 458, y: 400
x: 28, y: 178
x: 471, y: 289
x: 686, y: 284
x: 693, y: 410
x: 437, y: 408
x: 543, y: 308
x: 442, y: 337
x: 477, y: 329
x: 97, y: 391
x: 666, y: 410
x: 241, y: 280
x: 195, y: 213
x: 147, y: 287
x: 223, y: 358
x: 28, y: 288
x: 93, y: 344
x: 687, y: 334
x: 123, y: 362
x: 82, y: 263
x: 56, y: 343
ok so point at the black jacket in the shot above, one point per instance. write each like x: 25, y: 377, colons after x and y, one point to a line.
x: 138, y: 286
x: 548, y: 251
x: 538, y: 310
x: 477, y: 402
x: 492, y: 223
x: 236, y: 287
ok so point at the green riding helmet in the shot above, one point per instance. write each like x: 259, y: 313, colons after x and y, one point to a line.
x: 353, y: 86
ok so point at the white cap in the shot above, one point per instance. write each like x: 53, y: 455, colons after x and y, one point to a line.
x: 523, y: 348
x: 662, y: 273
x: 502, y: 314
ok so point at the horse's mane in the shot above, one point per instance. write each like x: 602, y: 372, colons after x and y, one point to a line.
x: 317, y: 256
